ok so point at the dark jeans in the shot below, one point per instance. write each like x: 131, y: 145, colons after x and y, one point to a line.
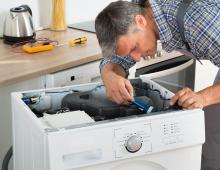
x: 211, y: 148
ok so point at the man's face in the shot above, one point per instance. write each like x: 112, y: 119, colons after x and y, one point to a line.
x: 141, y: 43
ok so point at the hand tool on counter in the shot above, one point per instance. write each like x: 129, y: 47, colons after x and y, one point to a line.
x: 80, y: 40
x: 39, y: 46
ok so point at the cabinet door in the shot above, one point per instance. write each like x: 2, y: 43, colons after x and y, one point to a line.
x: 5, y: 111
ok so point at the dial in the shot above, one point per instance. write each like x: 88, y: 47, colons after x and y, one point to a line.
x: 133, y: 144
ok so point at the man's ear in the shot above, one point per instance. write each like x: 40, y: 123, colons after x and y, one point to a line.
x: 140, y: 21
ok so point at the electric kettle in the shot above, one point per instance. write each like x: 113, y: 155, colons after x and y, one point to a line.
x: 18, y: 25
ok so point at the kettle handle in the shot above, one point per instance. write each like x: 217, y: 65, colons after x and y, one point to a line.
x: 28, y: 8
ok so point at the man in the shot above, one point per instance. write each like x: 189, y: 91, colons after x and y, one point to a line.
x: 127, y: 31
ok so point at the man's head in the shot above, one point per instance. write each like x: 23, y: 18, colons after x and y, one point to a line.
x: 125, y: 28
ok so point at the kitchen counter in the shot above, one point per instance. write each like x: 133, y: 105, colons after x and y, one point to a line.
x: 16, y: 67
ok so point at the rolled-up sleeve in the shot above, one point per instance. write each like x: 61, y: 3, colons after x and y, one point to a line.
x: 125, y: 62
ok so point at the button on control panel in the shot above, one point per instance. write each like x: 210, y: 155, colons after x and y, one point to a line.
x: 133, y: 143
x: 132, y: 140
x: 172, y: 133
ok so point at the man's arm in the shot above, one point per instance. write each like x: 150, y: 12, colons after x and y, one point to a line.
x: 118, y: 88
x: 205, y: 43
x: 191, y: 100
x: 114, y: 71
x: 211, y: 94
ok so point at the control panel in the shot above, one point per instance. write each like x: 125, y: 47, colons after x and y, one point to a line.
x: 172, y: 133
x: 132, y: 140
x: 149, y: 137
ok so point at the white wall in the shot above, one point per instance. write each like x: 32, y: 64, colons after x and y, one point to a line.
x: 82, y: 10
x: 76, y: 10
x: 205, y: 74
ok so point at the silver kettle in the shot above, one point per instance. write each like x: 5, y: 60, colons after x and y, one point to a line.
x: 18, y: 25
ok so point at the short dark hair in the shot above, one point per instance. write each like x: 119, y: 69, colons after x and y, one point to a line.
x: 114, y: 21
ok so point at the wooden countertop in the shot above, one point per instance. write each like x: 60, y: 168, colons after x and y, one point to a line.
x: 16, y: 67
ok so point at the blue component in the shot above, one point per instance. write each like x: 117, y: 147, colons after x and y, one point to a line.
x: 26, y: 100
x: 142, y: 106
x: 30, y: 100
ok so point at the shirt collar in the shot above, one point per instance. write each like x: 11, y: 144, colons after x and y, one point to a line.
x: 161, y: 22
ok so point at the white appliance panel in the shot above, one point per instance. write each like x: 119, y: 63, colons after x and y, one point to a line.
x: 147, y: 141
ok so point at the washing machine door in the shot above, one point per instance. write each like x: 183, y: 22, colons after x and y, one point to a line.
x: 139, y: 165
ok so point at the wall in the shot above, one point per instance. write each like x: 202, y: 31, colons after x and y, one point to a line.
x: 204, y: 74
x: 76, y: 10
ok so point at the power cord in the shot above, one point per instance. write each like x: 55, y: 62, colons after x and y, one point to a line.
x: 7, y: 159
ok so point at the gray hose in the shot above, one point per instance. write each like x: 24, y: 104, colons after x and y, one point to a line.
x: 7, y: 159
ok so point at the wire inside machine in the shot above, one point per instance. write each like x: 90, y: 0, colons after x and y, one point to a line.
x: 94, y: 102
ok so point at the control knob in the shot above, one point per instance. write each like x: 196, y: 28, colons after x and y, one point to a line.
x: 133, y: 144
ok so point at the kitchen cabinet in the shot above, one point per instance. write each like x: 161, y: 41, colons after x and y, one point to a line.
x: 5, y: 111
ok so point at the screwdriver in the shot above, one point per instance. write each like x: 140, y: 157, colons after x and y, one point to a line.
x: 80, y: 40
x: 38, y: 47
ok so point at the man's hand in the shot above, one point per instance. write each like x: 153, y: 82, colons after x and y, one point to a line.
x: 118, y: 88
x: 188, y: 99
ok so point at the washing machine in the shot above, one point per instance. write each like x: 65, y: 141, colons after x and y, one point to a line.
x: 78, y: 128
